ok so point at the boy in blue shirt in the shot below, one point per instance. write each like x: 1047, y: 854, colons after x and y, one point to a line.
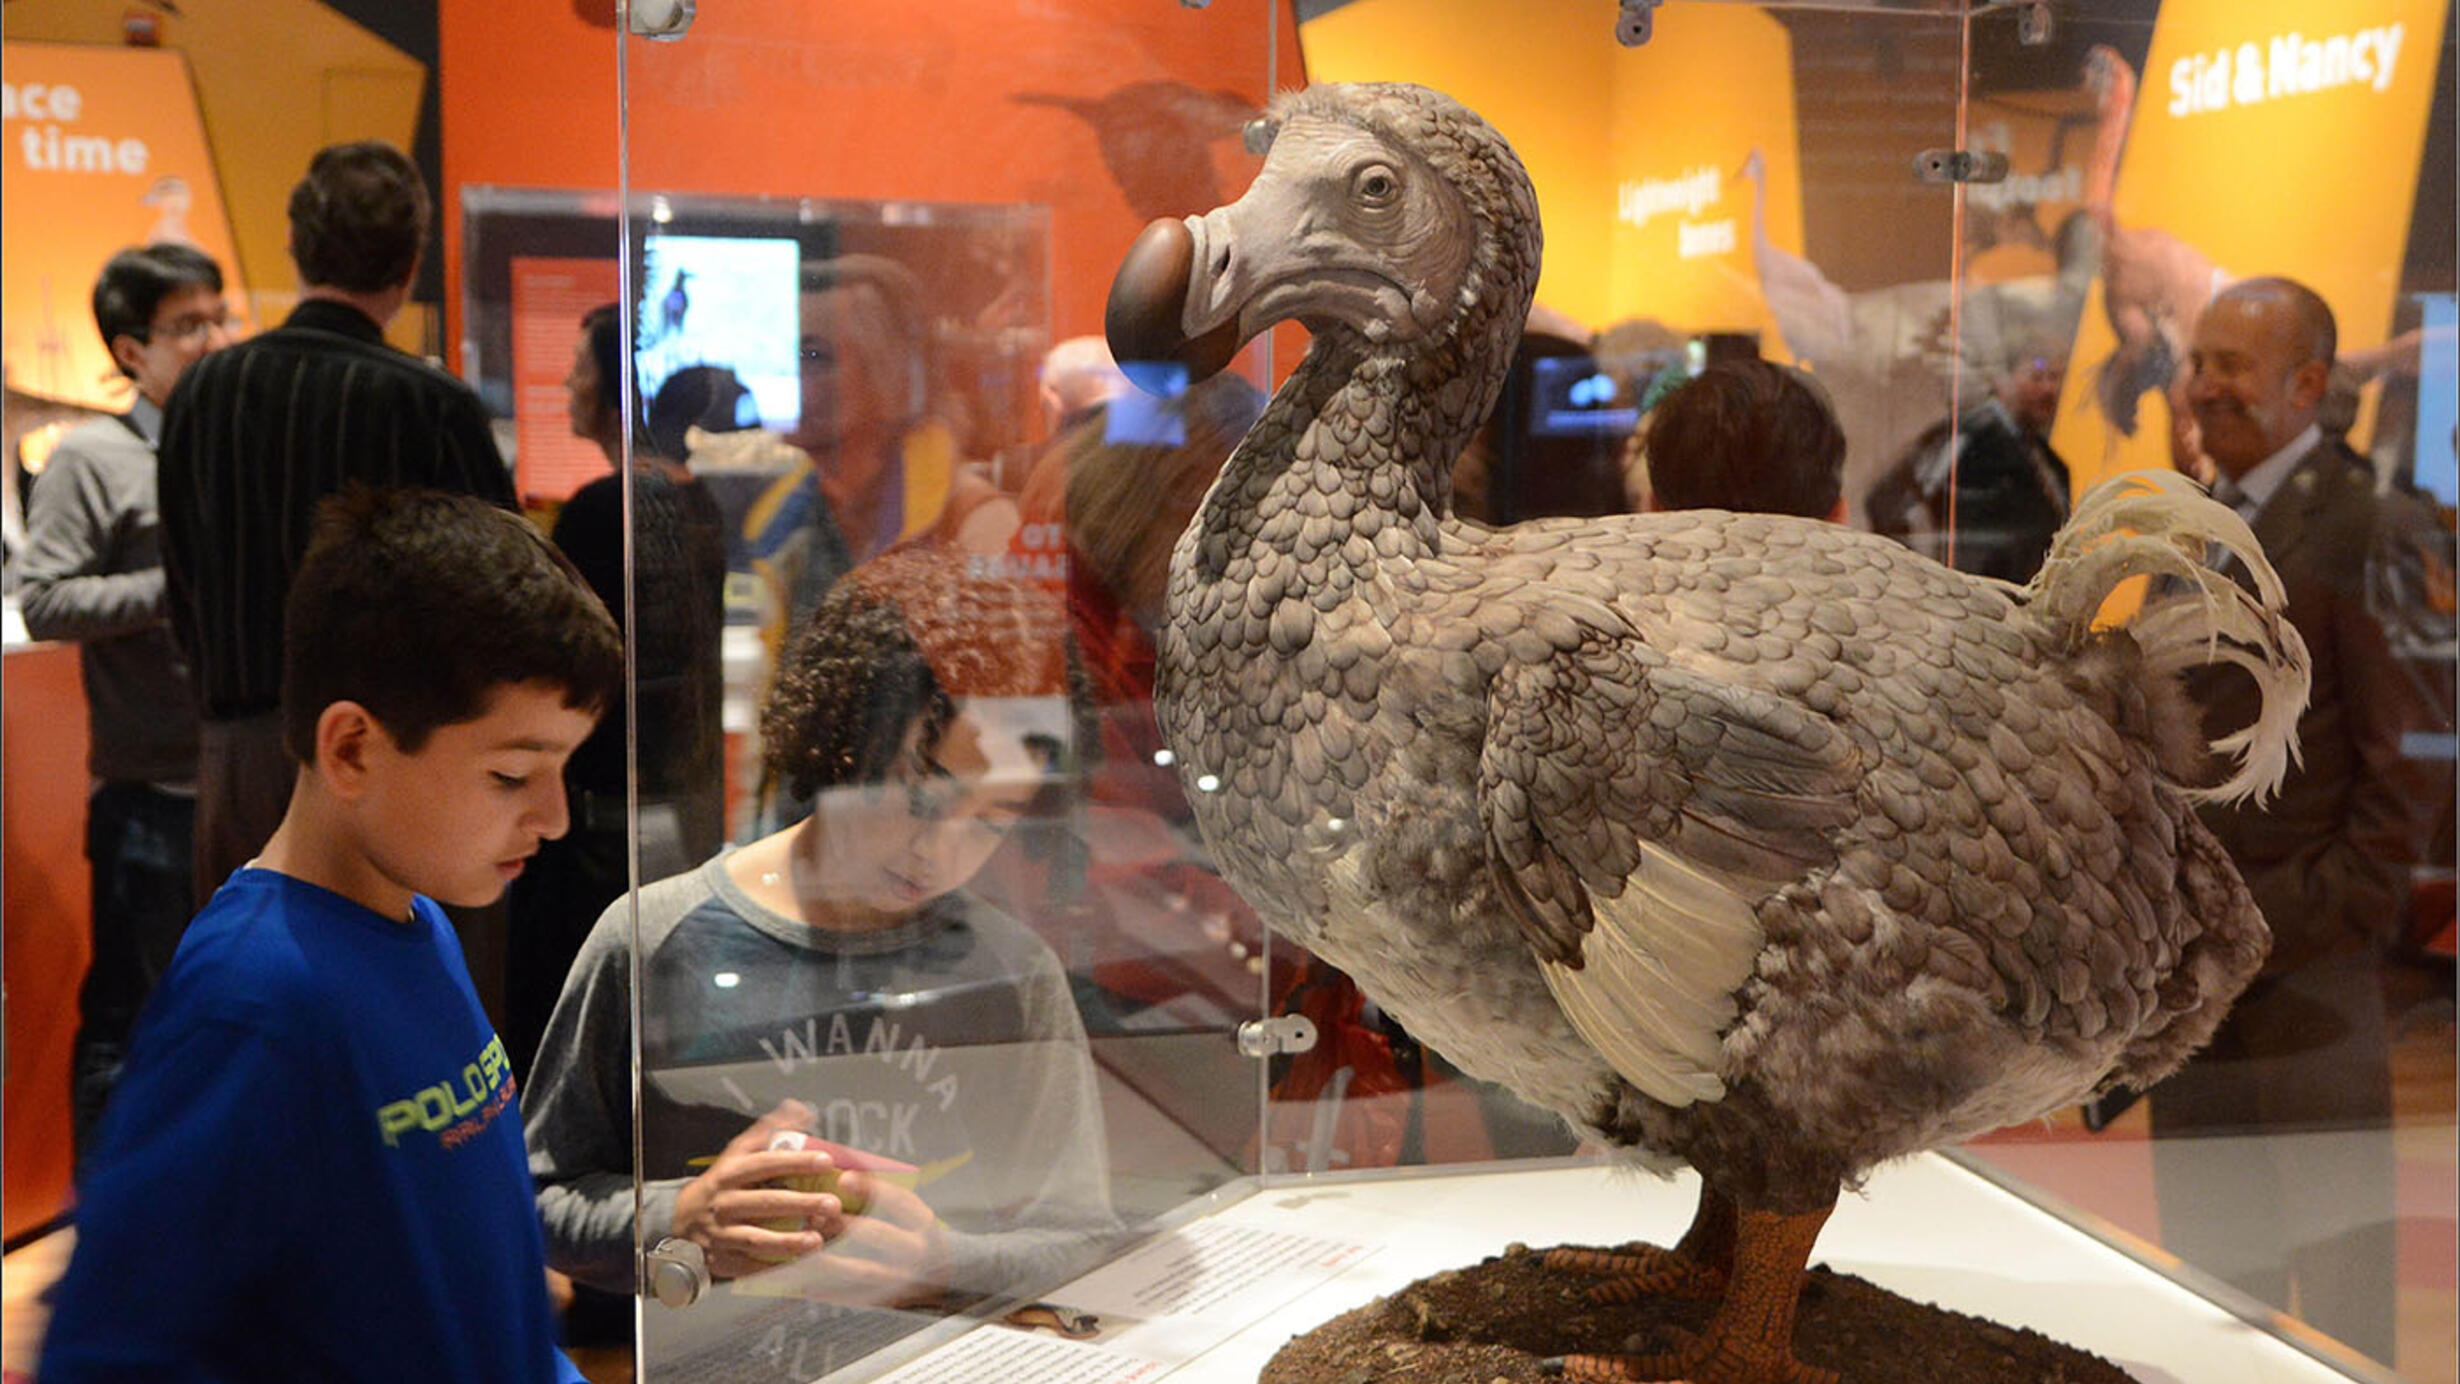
x: 312, y: 1168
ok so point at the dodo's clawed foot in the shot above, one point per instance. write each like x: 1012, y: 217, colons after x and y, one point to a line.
x: 1750, y: 1338
x: 1644, y: 1271
x: 1701, y: 1360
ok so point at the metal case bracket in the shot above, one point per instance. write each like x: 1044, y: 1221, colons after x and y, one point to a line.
x: 1634, y: 24
x: 1960, y: 166
x: 1279, y: 1034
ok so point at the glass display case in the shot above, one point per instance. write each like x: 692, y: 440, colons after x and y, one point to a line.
x: 970, y: 938
x: 888, y: 1011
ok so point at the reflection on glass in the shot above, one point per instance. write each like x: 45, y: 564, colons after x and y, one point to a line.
x: 678, y: 575
x: 873, y: 455
x: 841, y: 979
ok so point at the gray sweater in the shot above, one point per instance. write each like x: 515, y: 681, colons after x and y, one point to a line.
x: 952, y: 1044
x: 92, y: 572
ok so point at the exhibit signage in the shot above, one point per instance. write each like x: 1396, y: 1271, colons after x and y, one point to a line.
x: 100, y: 149
x: 2267, y: 137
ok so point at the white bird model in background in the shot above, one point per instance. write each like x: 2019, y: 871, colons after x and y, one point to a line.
x: 1814, y: 316
x: 1753, y: 842
x: 2153, y: 285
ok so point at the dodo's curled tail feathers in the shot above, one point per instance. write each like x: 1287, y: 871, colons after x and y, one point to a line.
x: 2160, y: 524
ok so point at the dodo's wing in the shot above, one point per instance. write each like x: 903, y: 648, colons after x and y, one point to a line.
x: 1636, y: 815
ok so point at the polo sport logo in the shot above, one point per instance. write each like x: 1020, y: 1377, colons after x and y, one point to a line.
x: 457, y: 1108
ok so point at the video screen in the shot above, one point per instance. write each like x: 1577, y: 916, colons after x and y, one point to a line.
x: 1569, y: 396
x: 1149, y: 414
x: 2438, y: 406
x: 724, y: 300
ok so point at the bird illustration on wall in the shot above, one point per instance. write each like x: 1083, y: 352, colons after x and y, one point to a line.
x: 1814, y: 316
x: 1157, y: 139
x: 2153, y: 285
x: 172, y: 201
x: 1757, y: 843
x: 676, y: 303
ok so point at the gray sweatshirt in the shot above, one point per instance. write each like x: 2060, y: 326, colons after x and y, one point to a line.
x: 951, y: 1044
x: 92, y: 572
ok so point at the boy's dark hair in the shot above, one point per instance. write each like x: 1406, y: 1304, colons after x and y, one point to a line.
x: 1747, y: 435
x: 359, y: 218
x: 894, y: 642
x: 134, y: 282
x: 418, y: 605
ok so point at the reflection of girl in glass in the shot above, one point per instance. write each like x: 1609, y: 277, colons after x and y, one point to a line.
x: 925, y: 709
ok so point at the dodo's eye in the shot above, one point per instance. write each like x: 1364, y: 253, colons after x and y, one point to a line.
x: 1375, y: 185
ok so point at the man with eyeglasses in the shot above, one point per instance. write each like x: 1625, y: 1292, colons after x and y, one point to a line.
x: 93, y: 573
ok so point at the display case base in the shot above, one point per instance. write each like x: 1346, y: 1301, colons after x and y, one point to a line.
x: 1500, y: 1320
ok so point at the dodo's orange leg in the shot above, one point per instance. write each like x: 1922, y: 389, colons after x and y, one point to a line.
x: 1750, y: 1338
x: 1698, y: 1267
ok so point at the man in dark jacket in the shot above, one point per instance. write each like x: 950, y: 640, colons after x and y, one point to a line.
x: 250, y: 444
x: 2297, y: 1209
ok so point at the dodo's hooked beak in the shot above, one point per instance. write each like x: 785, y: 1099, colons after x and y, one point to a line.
x: 1167, y: 303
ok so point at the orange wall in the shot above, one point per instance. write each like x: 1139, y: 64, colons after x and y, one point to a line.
x: 898, y: 100
x: 46, y: 908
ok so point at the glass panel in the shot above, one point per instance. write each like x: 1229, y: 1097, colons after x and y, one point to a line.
x: 965, y: 941
x: 2161, y: 157
x: 892, y: 491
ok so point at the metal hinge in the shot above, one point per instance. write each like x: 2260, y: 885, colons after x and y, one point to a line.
x: 1279, y: 1034
x: 665, y: 20
x: 2033, y: 24
x: 1960, y: 166
x: 1636, y: 21
x: 678, y: 1273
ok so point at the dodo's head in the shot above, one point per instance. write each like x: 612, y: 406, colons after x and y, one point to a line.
x: 1386, y: 211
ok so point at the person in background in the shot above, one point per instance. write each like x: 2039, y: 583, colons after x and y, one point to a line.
x: 1747, y: 435
x: 92, y: 573
x: 924, y: 709
x: 1078, y: 376
x: 678, y: 584
x: 312, y: 1168
x: 873, y: 466
x: 1989, y: 499
x: 255, y: 436
x: 2302, y: 1217
x: 2012, y: 489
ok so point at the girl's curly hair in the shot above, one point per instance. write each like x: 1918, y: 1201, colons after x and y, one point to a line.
x: 896, y: 641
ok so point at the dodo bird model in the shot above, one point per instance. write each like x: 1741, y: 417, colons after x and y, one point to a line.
x: 1753, y: 842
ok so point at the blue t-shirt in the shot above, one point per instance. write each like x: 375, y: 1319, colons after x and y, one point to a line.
x: 312, y: 1167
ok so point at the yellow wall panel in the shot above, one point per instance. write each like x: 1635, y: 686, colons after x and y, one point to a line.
x: 261, y: 71
x: 2268, y: 137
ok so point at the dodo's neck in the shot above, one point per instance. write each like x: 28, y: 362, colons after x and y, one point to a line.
x: 1354, y: 455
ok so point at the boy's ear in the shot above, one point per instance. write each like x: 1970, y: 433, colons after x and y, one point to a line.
x: 347, y: 736
x: 128, y: 353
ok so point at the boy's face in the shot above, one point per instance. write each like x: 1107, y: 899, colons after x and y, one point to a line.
x: 457, y: 819
x: 188, y: 324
